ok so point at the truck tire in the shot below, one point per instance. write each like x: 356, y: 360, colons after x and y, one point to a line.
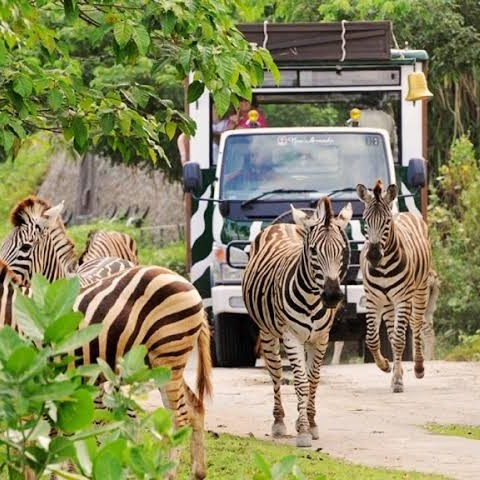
x: 386, y: 348
x: 235, y: 340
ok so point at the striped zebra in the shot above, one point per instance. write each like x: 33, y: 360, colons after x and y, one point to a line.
x: 38, y: 243
x: 154, y: 307
x: 109, y: 244
x: 291, y: 288
x: 138, y: 305
x: 396, y: 267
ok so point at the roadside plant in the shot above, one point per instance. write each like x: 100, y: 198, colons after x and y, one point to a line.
x: 285, y: 468
x: 54, y: 416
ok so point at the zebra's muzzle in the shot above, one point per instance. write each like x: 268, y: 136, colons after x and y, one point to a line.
x: 332, y: 294
x: 374, y: 254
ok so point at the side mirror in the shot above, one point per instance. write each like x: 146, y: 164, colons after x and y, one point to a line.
x: 417, y: 173
x: 192, y: 178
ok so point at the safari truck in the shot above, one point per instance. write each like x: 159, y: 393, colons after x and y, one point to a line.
x: 349, y: 109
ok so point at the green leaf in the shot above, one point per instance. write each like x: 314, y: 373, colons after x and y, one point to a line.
x: 63, y: 326
x: 142, y: 38
x: 134, y: 360
x: 23, y: 86
x: 9, y: 342
x: 57, y: 391
x: 106, y: 370
x: 180, y: 436
x: 76, y: 414
x: 78, y: 339
x: 29, y: 318
x: 160, y: 375
x: 221, y: 98
x: 3, y: 53
x: 195, y: 90
x: 99, y: 33
x: 262, y: 465
x: 20, y: 359
x: 107, y: 122
x: 168, y: 21
x: 71, y: 9
x: 61, y: 295
x: 8, y: 139
x: 162, y: 420
x: 61, y: 448
x: 80, y: 132
x: 55, y: 99
x: 107, y: 465
x: 122, y: 31
x: 282, y: 468
x: 170, y: 129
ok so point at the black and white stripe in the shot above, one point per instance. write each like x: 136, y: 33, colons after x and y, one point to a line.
x: 291, y: 288
x: 397, y: 275
x: 109, y: 244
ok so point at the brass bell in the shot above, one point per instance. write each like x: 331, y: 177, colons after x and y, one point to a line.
x: 417, y: 87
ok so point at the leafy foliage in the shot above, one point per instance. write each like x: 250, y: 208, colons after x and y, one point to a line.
x: 47, y: 409
x: 60, y: 64
x: 454, y: 221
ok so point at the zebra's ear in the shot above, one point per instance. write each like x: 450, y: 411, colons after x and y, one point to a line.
x: 363, y: 193
x: 301, y: 218
x: 391, y: 193
x: 51, y: 215
x: 344, y: 216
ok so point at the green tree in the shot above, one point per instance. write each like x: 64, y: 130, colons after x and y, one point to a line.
x: 95, y: 72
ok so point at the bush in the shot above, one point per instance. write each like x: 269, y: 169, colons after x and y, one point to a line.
x: 455, y: 223
x: 47, y: 406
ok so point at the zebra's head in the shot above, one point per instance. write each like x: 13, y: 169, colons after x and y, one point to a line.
x: 378, y: 218
x: 326, y: 248
x: 22, y: 247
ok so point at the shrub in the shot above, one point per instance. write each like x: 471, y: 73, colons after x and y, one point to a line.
x: 455, y: 221
x: 47, y: 406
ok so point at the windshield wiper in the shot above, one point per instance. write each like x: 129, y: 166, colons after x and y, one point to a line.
x: 341, y: 190
x: 269, y: 192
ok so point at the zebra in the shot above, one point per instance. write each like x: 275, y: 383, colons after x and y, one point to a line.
x: 38, y: 243
x: 396, y: 266
x: 291, y: 289
x: 155, y: 307
x: 109, y: 244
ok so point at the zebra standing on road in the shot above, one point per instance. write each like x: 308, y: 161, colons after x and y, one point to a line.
x: 396, y: 267
x: 109, y: 244
x: 291, y: 288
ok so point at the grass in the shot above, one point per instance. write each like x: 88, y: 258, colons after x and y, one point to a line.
x: 233, y: 458
x: 456, y: 430
x: 467, y: 350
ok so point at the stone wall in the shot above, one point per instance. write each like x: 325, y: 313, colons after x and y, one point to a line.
x: 93, y: 188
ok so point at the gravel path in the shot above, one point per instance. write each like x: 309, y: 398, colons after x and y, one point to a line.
x: 359, y: 419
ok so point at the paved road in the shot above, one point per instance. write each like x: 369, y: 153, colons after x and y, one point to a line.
x: 360, y: 420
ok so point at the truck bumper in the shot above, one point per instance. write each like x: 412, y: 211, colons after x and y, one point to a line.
x: 229, y: 299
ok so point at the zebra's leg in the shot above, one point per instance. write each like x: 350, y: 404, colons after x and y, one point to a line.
x: 428, y: 332
x: 372, y: 339
x: 271, y: 353
x: 296, y: 354
x: 337, y: 352
x: 197, y: 440
x: 403, y: 313
x: 420, y: 302
x: 174, y: 398
x: 315, y: 356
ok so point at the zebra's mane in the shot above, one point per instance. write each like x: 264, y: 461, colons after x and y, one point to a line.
x: 377, y: 190
x: 27, y: 209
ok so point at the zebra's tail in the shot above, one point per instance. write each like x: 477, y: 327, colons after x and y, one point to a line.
x: 204, y: 364
x: 428, y: 330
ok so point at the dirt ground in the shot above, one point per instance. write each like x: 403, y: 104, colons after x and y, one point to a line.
x: 359, y: 419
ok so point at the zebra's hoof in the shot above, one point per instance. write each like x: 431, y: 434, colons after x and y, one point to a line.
x: 278, y: 429
x: 314, y: 432
x: 385, y: 367
x: 397, y: 386
x: 419, y: 371
x: 304, y: 439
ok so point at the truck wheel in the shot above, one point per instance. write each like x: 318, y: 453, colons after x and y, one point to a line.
x: 235, y: 339
x: 386, y: 348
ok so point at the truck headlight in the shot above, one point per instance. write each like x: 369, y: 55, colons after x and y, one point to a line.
x: 221, y: 271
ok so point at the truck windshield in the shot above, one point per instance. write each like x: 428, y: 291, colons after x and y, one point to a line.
x: 312, y: 162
